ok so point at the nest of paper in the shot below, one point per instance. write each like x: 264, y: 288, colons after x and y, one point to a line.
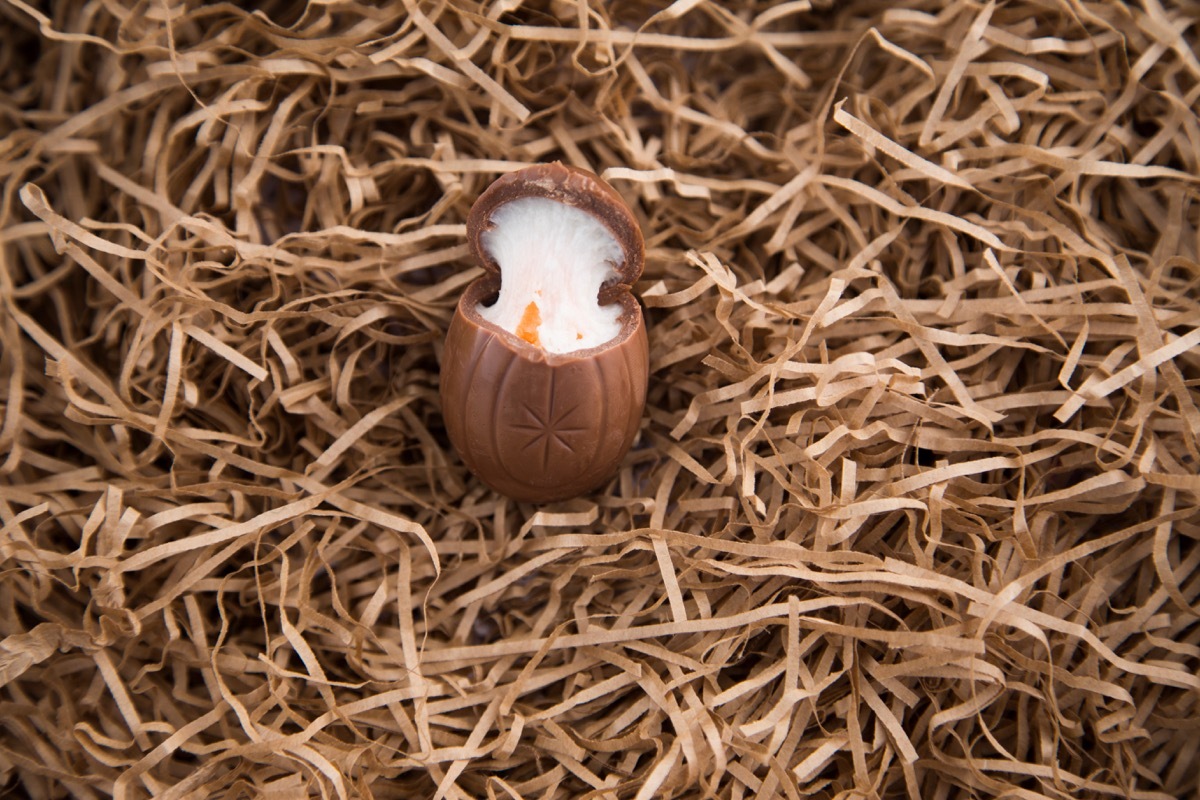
x: 913, y: 507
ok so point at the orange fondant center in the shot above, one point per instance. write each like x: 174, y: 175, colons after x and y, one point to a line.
x: 527, y: 328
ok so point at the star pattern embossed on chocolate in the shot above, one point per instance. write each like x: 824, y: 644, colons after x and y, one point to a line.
x: 547, y: 426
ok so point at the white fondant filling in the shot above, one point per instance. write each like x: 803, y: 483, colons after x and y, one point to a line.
x: 557, y: 257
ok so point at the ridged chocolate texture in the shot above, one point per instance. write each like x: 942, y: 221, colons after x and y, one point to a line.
x: 535, y: 425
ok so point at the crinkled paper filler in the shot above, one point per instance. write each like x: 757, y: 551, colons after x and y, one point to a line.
x: 913, y: 511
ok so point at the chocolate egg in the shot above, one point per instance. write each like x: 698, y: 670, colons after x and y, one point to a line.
x: 545, y: 366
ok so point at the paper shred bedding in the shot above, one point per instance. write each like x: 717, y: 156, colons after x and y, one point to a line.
x: 914, y: 508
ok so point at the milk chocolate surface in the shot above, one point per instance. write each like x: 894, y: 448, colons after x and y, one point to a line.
x: 534, y: 425
x: 573, y: 187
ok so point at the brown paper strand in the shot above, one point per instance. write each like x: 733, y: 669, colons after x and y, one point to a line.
x: 913, y: 511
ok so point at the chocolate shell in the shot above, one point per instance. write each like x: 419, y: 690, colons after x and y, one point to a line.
x: 570, y: 186
x: 535, y: 425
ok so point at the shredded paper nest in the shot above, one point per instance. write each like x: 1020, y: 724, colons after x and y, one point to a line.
x: 913, y: 510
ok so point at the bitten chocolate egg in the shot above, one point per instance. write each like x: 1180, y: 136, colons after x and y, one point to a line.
x: 545, y: 367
